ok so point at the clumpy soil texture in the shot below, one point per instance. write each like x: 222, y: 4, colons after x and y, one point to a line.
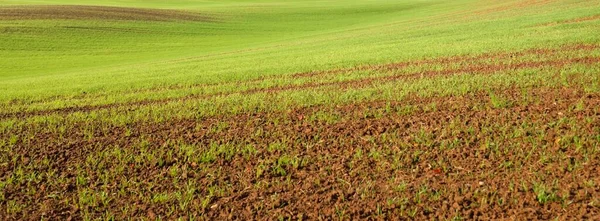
x: 521, y: 149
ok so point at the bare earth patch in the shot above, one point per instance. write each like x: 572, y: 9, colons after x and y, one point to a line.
x: 401, y: 71
x: 532, y: 156
x: 97, y: 13
x: 513, y: 6
x: 574, y: 21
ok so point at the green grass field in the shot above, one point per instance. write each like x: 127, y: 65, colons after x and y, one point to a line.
x: 263, y: 109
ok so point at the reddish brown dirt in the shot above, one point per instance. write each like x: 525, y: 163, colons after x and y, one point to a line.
x: 465, y: 59
x: 96, y: 13
x: 471, y: 60
x: 468, y: 65
x: 426, y: 158
x: 572, y: 21
x: 516, y: 5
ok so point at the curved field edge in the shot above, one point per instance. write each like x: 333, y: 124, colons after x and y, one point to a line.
x: 376, y: 41
x: 483, y: 132
x: 82, y: 12
x: 491, y: 63
x: 399, y: 140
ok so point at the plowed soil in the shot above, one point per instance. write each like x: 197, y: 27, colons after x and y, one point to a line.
x: 96, y: 13
x: 574, y: 21
x: 484, y: 64
x: 518, y: 152
x: 424, y: 158
x: 118, y: 113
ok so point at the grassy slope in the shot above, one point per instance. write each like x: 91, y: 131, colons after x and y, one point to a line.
x: 253, y: 39
x: 118, y: 119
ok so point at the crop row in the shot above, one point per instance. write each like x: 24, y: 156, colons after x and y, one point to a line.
x: 501, y: 150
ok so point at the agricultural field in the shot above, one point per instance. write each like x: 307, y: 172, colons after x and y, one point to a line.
x: 299, y: 110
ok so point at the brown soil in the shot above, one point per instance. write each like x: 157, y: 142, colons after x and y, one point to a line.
x: 507, y: 153
x: 426, y: 158
x: 573, y: 21
x: 506, y: 61
x: 466, y: 59
x: 471, y: 60
x: 516, y: 5
x: 96, y: 13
